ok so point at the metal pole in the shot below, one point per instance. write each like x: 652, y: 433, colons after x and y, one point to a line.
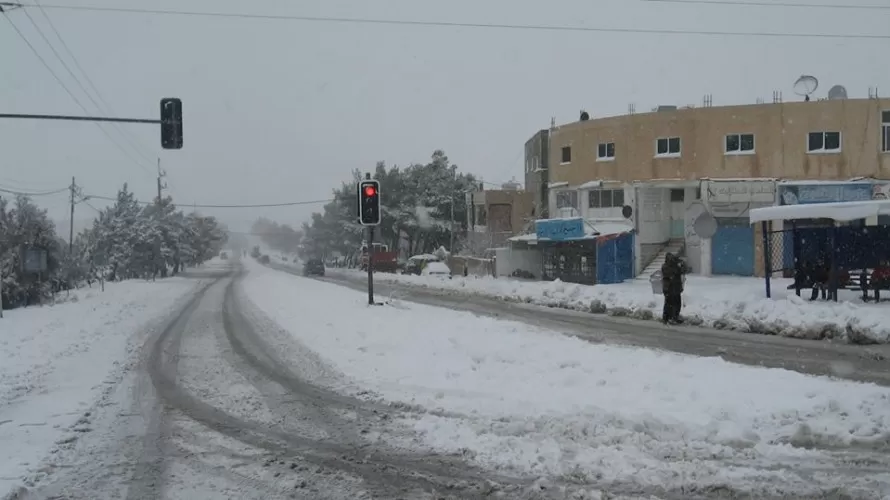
x: 371, y: 265
x: 767, y: 256
x: 453, y: 186
x: 71, y: 224
x: 78, y: 118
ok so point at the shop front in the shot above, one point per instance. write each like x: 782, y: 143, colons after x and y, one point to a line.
x: 734, y: 247
x: 575, y: 251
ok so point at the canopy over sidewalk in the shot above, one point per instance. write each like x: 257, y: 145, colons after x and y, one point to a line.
x: 840, y: 211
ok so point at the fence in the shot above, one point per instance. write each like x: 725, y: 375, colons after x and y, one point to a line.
x: 851, y: 247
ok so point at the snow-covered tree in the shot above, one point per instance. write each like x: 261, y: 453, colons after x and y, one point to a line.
x: 417, y: 203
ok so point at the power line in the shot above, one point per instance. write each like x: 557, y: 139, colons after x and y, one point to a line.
x: 108, y: 110
x: 447, y: 24
x: 198, y: 205
x: 65, y: 87
x: 779, y: 4
x: 24, y: 193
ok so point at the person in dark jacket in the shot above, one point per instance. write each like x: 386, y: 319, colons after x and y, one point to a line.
x: 819, y: 274
x: 672, y: 287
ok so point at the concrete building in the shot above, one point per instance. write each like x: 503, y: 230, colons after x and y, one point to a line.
x: 660, y: 169
x: 537, y: 161
x: 496, y: 215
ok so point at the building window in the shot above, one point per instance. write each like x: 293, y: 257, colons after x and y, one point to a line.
x: 739, y: 144
x: 667, y: 146
x: 605, y: 198
x: 567, y: 199
x: 885, y: 132
x: 824, y: 142
x: 678, y: 195
x: 605, y: 151
x: 566, y: 154
x: 481, y: 215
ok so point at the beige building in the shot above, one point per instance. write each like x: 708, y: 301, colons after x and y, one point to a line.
x: 658, y: 170
x: 496, y: 215
x: 827, y: 139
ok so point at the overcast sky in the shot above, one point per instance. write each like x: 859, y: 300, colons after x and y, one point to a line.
x: 279, y: 111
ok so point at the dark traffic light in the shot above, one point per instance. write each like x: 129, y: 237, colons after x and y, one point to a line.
x: 369, y: 203
x: 171, y: 123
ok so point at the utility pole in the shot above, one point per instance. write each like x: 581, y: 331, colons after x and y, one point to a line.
x: 161, y: 186
x: 453, y: 185
x: 73, y: 189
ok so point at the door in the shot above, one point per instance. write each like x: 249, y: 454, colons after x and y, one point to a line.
x: 732, y: 248
x: 678, y: 213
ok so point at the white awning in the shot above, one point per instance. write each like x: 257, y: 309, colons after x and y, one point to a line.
x: 840, y: 211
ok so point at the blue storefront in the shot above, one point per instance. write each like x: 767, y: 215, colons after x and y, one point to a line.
x: 574, y: 252
x: 732, y: 247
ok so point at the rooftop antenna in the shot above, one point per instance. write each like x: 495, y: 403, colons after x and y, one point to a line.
x: 805, y: 86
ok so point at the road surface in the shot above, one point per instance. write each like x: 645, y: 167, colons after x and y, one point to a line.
x: 854, y: 362
x: 214, y: 413
x: 224, y: 404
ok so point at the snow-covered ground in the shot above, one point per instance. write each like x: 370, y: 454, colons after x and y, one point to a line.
x: 530, y: 401
x: 725, y: 303
x: 57, y: 361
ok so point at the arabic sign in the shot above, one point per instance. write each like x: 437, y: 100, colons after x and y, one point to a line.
x: 741, y: 192
x: 559, y: 229
x: 808, y: 194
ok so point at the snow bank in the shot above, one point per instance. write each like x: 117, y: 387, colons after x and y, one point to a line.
x: 55, y: 362
x: 526, y: 400
x: 723, y: 303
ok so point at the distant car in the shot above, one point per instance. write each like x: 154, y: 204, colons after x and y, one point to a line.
x: 436, y: 269
x: 223, y: 256
x: 313, y: 267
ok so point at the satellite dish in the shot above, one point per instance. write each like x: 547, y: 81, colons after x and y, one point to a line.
x: 806, y: 85
x: 837, y: 92
x: 705, y: 225
x: 627, y: 211
x: 584, y: 116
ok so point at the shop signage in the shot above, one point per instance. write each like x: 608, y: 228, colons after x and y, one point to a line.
x: 807, y: 194
x: 559, y: 229
x: 741, y: 192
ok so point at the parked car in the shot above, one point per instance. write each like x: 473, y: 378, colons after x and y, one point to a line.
x: 436, y: 269
x: 313, y: 267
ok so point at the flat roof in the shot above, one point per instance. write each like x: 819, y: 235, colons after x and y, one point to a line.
x: 840, y: 211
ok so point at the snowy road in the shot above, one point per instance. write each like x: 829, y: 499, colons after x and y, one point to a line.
x: 268, y: 386
x: 222, y: 406
x: 861, y: 363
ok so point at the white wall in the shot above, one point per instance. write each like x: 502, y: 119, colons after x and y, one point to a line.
x: 654, y: 215
x: 510, y: 260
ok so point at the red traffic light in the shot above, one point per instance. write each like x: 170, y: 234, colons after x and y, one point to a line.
x: 370, y: 191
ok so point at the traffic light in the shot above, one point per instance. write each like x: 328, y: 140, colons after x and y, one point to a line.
x: 369, y: 203
x: 171, y: 123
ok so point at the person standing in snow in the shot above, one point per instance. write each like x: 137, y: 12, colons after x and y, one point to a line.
x: 672, y: 287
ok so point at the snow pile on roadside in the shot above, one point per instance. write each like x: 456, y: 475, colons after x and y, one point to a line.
x: 55, y: 361
x: 723, y: 303
x: 532, y: 401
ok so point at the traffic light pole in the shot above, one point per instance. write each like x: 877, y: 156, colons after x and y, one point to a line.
x: 78, y: 118
x: 371, y: 265
x: 170, y: 122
